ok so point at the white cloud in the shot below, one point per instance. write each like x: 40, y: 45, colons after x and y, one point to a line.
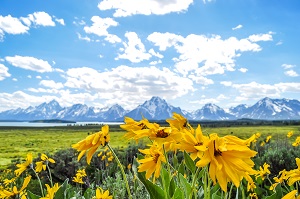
x: 155, y: 62
x: 3, y: 72
x: 279, y: 43
x: 291, y: 73
x: 41, y: 19
x: 15, y: 79
x: 205, y: 55
x: 100, y: 26
x: 156, y: 54
x: 226, y: 83
x: 20, y: 99
x: 29, y: 63
x: 249, y: 90
x: 29, y: 76
x: 61, y: 21
x: 237, y: 27
x: 261, y: 37
x: 12, y: 25
x: 287, y: 66
x: 243, y: 70
x: 86, y: 38
x: 134, y: 50
x: 146, y: 7
x: 38, y: 77
x: 51, y: 84
x: 201, y: 80
x: 126, y: 83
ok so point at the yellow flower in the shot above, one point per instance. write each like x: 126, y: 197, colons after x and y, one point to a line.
x: 178, y: 121
x: 51, y: 191
x: 41, y: 165
x: 297, y: 141
x: 131, y: 125
x: 91, y: 143
x: 6, y: 182
x: 22, y: 167
x: 228, y: 158
x: 290, y: 134
x: 100, y: 194
x: 268, y: 138
x: 191, y: 139
x: 291, y: 195
x: 252, y: 139
x: 293, y: 175
x: 262, y: 143
x: 129, y: 166
x: 15, y: 192
x: 264, y: 171
x: 279, y: 180
x: 110, y: 158
x: 253, y: 196
x: 251, y: 185
x: 152, y: 161
x: 79, y: 175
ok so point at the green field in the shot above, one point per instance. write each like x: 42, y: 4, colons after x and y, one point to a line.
x: 16, y: 142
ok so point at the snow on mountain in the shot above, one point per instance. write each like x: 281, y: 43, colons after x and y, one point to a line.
x: 211, y: 112
x: 157, y: 109
x: 277, y: 109
x: 154, y: 109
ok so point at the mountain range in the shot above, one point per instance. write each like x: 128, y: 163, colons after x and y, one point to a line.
x: 157, y: 109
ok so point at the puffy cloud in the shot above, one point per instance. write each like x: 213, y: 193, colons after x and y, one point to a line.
x: 261, y: 37
x: 12, y: 25
x: 145, y: 7
x: 205, y: 55
x: 126, y: 83
x: 237, y: 27
x: 288, y: 66
x: 134, y: 50
x: 100, y: 26
x: 291, y: 73
x: 51, y: 84
x: 29, y: 63
x: 249, y: 90
x: 41, y: 19
x: 243, y: 70
x: 3, y: 72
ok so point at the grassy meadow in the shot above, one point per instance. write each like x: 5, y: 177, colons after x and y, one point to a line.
x: 16, y: 142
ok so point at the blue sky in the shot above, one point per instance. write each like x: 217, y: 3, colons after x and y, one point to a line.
x: 189, y: 52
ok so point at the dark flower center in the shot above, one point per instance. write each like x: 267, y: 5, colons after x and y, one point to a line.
x: 155, y: 158
x: 217, y: 152
x: 161, y: 134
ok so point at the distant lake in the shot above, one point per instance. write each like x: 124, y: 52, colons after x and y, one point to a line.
x: 36, y: 124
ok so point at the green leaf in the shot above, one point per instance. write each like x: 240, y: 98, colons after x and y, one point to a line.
x: 186, y: 186
x: 153, y: 190
x: 165, y: 179
x: 32, y: 195
x: 181, y: 168
x: 189, y: 162
x: 61, y: 192
x: 178, y: 194
x: 172, y: 187
x: 277, y: 193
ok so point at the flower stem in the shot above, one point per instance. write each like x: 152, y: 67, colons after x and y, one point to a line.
x: 50, y: 176
x: 193, y: 183
x: 41, y: 187
x: 122, y: 170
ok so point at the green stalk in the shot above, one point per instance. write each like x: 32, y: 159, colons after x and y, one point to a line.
x: 41, y: 187
x: 206, y: 188
x: 50, y: 176
x: 122, y: 170
x: 194, y: 182
x: 167, y: 160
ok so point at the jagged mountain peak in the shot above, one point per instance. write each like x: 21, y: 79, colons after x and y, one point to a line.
x: 157, y: 109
